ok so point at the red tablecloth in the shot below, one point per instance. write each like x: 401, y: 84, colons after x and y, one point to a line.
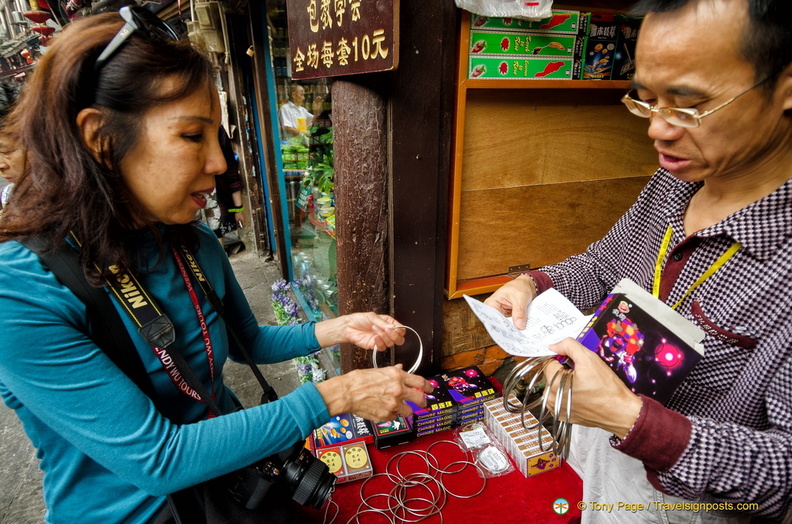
x: 505, y: 499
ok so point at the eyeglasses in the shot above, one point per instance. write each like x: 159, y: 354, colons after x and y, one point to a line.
x: 137, y: 19
x: 678, y: 116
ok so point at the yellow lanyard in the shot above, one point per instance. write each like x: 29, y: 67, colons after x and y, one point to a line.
x: 708, y: 273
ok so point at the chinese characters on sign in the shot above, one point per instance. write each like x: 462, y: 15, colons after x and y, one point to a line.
x: 342, y: 37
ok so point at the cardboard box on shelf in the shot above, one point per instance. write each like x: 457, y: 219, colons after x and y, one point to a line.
x: 600, y: 47
x: 624, y: 58
x: 560, y: 21
x: 527, y: 67
x: 526, y: 43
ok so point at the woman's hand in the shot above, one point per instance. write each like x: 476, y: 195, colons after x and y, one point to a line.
x: 512, y: 299
x: 599, y: 398
x: 366, y: 330
x: 374, y: 394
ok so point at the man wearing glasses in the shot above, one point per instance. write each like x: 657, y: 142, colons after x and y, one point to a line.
x: 714, y: 80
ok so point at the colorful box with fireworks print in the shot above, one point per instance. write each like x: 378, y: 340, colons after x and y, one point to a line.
x: 438, y: 402
x: 342, y: 429
x: 438, y: 415
x: 651, y: 347
x: 469, y: 386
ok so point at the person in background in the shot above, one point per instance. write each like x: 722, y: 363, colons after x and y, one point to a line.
x: 131, y: 155
x: 295, y: 119
x: 12, y: 157
x: 714, y: 78
x: 228, y: 188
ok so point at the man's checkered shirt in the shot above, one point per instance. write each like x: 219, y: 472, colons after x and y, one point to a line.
x: 739, y: 397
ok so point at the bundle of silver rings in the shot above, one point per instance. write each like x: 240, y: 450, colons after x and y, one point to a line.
x: 412, y: 497
x: 529, y: 374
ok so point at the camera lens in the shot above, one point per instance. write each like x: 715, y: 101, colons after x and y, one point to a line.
x: 315, y: 486
x: 308, y: 478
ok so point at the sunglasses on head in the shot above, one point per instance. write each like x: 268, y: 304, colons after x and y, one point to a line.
x: 137, y: 19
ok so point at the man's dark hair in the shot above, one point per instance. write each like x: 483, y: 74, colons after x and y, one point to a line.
x: 766, y: 40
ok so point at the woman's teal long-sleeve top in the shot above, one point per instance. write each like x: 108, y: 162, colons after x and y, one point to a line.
x: 107, y: 454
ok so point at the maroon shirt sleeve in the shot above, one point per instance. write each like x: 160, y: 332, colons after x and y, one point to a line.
x: 659, y: 436
x: 542, y: 280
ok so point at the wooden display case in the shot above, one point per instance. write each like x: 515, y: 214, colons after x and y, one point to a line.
x: 540, y: 169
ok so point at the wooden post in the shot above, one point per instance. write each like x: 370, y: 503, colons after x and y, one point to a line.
x: 361, y: 200
x: 392, y: 154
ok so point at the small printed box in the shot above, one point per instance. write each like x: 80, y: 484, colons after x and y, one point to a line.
x: 347, y: 462
x: 624, y: 58
x: 444, y: 418
x: 600, y: 49
x: 342, y: 429
x: 523, y: 67
x: 470, y: 417
x: 430, y: 430
x: 392, y: 432
x: 560, y: 21
x: 521, y: 444
x: 536, y: 44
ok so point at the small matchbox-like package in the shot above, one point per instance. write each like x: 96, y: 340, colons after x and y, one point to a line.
x: 347, y: 462
x: 392, y: 432
x: 521, y: 444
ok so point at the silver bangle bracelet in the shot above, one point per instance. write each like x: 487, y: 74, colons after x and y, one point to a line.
x: 415, y: 366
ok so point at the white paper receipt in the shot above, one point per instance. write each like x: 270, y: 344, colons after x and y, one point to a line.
x: 551, y: 318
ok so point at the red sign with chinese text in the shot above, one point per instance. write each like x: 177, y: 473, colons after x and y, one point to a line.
x: 342, y: 37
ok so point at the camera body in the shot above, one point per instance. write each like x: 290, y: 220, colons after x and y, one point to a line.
x: 305, y: 477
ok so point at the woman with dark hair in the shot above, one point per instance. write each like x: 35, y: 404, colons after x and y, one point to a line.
x: 121, y: 158
x: 12, y: 157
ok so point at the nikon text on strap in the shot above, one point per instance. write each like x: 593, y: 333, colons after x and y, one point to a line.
x: 107, y: 329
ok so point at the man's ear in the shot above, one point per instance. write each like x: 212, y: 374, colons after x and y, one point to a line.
x: 785, y: 84
x: 89, y: 121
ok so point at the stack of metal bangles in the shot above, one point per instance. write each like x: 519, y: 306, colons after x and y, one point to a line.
x: 530, y: 372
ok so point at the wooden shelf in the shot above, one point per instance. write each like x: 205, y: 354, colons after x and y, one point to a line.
x: 535, y: 159
x: 472, y: 83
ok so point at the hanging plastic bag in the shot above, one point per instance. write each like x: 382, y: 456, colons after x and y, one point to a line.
x: 524, y: 9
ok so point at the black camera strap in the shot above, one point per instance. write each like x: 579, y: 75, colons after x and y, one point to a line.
x: 109, y: 332
x: 107, y: 329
